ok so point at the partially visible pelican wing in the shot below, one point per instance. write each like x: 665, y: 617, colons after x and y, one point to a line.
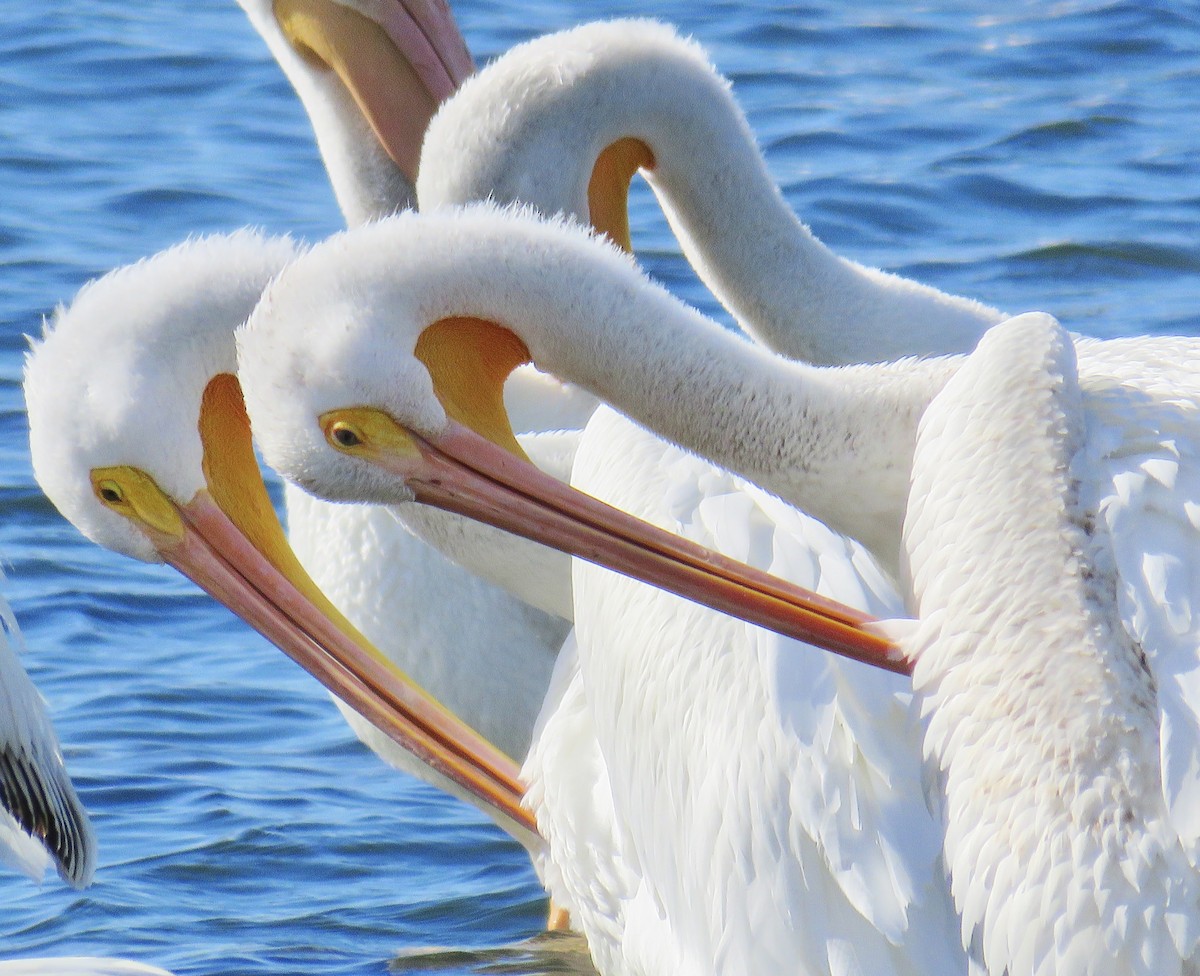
x: 538, y: 402
x: 856, y: 792
x: 1161, y: 368
x: 1142, y: 397
x: 41, y: 813
x: 585, y: 857
x: 78, y: 966
x: 1031, y: 659
x: 1144, y: 451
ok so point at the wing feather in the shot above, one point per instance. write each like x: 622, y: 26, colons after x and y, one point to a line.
x: 41, y: 813
x: 776, y: 780
x: 1144, y: 457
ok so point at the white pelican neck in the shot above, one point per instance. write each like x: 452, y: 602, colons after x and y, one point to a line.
x: 365, y: 180
x: 530, y: 126
x: 837, y: 440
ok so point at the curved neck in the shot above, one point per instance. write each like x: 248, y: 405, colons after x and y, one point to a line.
x: 786, y: 288
x: 837, y: 442
x: 366, y: 183
x: 549, y: 112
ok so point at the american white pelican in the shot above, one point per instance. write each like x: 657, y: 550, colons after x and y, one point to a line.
x: 370, y: 75
x: 40, y: 815
x: 138, y: 435
x: 564, y: 121
x: 1051, y: 541
x: 692, y: 713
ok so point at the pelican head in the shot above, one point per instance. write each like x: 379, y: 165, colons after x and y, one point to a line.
x: 374, y: 369
x: 371, y: 74
x: 163, y: 326
x: 139, y: 435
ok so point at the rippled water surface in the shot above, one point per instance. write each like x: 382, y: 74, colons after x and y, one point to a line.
x: 1046, y: 157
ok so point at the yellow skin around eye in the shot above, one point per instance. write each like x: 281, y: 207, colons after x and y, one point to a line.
x: 141, y: 500
x: 235, y: 485
x: 375, y: 433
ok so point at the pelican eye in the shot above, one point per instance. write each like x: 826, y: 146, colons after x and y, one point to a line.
x: 110, y: 492
x: 344, y: 435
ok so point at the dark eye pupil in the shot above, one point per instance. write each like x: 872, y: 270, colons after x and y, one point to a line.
x: 110, y: 495
x: 346, y: 437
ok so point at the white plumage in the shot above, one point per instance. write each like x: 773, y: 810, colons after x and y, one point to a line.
x: 791, y: 770
x: 95, y: 375
x: 815, y: 780
x: 118, y: 382
x: 839, y: 440
x: 529, y: 128
x: 119, y: 374
x: 1051, y: 538
x: 78, y: 966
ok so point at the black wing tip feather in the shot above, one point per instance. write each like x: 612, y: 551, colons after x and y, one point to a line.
x: 42, y: 800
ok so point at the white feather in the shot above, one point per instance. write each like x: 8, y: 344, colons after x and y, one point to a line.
x: 529, y: 127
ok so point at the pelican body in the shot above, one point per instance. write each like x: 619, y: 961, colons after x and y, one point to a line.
x: 601, y: 814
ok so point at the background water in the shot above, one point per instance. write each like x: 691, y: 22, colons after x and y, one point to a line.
x: 1042, y: 158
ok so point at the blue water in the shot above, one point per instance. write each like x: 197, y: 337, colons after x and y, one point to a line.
x: 1042, y: 158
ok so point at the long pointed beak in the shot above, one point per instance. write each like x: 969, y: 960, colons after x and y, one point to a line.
x: 462, y: 472
x: 399, y: 65
x: 217, y: 556
x: 426, y: 33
